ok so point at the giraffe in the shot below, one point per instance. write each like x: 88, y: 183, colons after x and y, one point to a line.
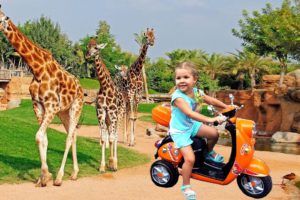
x: 121, y: 81
x: 135, y: 81
x: 54, y: 92
x: 110, y: 106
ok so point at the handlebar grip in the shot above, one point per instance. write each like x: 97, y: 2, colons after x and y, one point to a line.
x: 216, y: 123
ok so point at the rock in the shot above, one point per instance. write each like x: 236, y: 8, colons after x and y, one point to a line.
x: 13, y: 103
x: 2, y: 92
x: 296, y: 74
x: 294, y: 95
x: 286, y: 137
x: 273, y: 81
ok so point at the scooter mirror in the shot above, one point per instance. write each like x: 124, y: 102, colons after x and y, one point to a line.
x: 231, y: 97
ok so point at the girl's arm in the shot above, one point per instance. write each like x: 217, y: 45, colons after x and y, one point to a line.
x: 215, y: 102
x: 184, y: 107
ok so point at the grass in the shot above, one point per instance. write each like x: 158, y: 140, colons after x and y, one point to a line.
x: 88, y: 83
x: 19, y: 157
x: 146, y: 107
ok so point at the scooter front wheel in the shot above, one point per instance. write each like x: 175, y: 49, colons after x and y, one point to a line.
x: 253, y: 186
x: 163, y: 174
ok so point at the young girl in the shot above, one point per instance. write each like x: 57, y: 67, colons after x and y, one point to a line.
x: 186, y: 122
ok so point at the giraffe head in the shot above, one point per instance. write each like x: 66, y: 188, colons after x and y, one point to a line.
x: 122, y: 70
x: 150, y: 36
x: 93, y: 49
x: 3, y: 21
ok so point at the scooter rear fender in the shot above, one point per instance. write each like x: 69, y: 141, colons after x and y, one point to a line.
x: 257, y: 167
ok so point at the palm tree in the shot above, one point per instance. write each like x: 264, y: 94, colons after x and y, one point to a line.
x: 213, y: 65
x: 248, y: 62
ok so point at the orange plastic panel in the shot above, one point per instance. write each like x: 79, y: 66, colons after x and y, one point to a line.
x: 162, y: 115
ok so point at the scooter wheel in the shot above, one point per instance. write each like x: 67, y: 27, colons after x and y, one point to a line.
x: 163, y: 174
x: 253, y: 186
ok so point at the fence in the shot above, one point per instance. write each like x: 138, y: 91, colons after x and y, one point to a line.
x: 5, y: 74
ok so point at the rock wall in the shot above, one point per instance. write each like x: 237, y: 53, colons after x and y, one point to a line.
x: 273, y: 108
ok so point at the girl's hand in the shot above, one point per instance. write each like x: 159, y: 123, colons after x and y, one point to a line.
x: 219, y: 119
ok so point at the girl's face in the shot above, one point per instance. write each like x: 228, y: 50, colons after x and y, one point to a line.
x: 184, y: 79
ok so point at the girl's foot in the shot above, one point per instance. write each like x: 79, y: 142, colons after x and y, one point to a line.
x: 188, y: 193
x: 215, y: 157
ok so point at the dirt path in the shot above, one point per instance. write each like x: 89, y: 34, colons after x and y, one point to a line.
x: 135, y: 183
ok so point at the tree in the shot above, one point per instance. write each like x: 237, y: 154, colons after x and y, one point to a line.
x: 181, y: 55
x: 246, y: 61
x: 274, y: 31
x: 213, y: 64
x: 49, y: 36
x: 160, y: 75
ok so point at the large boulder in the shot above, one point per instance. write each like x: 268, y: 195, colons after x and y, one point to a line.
x: 286, y: 137
x: 295, y: 74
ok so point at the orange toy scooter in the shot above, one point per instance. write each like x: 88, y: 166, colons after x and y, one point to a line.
x: 251, y: 173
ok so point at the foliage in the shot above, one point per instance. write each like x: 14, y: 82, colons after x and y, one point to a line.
x: 48, y: 35
x: 160, y: 76
x: 208, y: 84
x: 112, y: 54
x: 248, y: 62
x: 274, y: 31
x: 212, y: 65
x: 181, y: 55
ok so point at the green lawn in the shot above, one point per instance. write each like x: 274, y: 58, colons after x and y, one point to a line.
x: 89, y: 83
x: 19, y: 159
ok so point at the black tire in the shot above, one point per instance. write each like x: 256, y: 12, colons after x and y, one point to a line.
x: 261, y: 188
x: 163, y: 174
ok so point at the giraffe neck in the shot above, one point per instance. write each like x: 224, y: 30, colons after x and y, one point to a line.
x: 33, y: 55
x: 102, y: 73
x: 137, y: 66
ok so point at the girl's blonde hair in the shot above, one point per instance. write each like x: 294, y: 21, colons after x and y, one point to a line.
x: 189, y: 66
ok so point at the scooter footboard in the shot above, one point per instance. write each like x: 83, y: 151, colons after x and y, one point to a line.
x: 257, y: 167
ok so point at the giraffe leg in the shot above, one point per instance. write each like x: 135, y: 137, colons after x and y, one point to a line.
x: 113, y: 143
x: 103, y: 141
x: 71, y: 118
x: 132, y: 122
x: 77, y: 113
x: 42, y: 141
x: 125, y: 128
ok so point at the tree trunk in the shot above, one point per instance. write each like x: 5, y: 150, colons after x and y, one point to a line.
x: 252, y: 76
x: 241, y: 78
x: 145, y: 84
x: 283, y: 67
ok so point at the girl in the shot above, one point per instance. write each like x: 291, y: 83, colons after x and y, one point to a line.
x: 186, y: 122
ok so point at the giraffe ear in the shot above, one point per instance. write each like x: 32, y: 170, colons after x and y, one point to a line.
x: 101, y: 46
x: 117, y: 67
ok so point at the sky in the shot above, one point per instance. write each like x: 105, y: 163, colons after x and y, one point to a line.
x: 178, y: 24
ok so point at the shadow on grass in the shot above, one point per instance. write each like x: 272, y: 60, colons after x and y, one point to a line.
x: 18, y: 169
x: 23, y: 168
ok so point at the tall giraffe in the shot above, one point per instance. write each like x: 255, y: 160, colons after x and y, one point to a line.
x: 54, y: 92
x: 135, y: 81
x: 110, y: 106
x: 121, y: 81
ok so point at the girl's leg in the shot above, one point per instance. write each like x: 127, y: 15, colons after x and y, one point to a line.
x: 189, y: 160
x: 210, y: 133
